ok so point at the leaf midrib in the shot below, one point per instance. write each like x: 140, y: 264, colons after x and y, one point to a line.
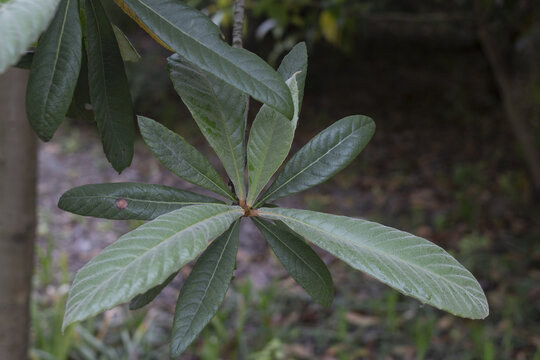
x: 60, y: 38
x: 212, y: 277
x: 292, y: 250
x: 146, y: 252
x: 367, y: 248
x: 261, y: 201
x: 261, y: 84
x: 138, y: 200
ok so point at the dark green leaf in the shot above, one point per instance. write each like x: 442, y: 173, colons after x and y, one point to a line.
x: 109, y: 89
x: 300, y: 261
x: 197, y: 39
x: 80, y: 107
x: 219, y: 110
x: 181, y: 158
x: 123, y: 201
x: 145, y: 258
x: 204, y: 290
x: 25, y: 62
x: 144, y: 299
x: 407, y: 263
x: 296, y: 62
x: 322, y: 157
x: 54, y: 72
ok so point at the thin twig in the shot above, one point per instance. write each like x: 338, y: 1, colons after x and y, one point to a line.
x: 238, y: 25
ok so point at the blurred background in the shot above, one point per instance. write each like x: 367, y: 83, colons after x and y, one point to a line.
x: 454, y: 89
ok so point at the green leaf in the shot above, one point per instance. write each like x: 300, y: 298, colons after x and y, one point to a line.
x: 204, y: 290
x: 21, y: 23
x: 144, y: 299
x: 145, y: 257
x: 296, y: 62
x: 25, y: 62
x: 127, y: 50
x: 181, y: 158
x: 123, y: 201
x: 196, y: 38
x: 109, y: 89
x: 322, y: 157
x: 300, y: 261
x: 219, y: 110
x: 80, y: 107
x: 269, y: 142
x: 407, y: 263
x: 54, y: 72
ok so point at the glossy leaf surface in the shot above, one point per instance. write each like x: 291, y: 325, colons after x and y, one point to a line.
x: 21, y: 23
x: 219, y: 110
x: 181, y: 158
x: 407, y: 263
x: 145, y: 258
x: 300, y: 261
x: 322, y: 157
x: 123, y: 201
x: 196, y: 38
x: 204, y: 290
x: 55, y: 70
x: 109, y: 89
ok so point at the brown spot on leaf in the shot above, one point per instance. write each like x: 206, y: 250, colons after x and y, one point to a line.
x: 121, y: 203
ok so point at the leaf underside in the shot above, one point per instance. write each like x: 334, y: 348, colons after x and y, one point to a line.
x: 145, y: 258
x: 204, y: 290
x: 125, y: 201
x: 407, y: 263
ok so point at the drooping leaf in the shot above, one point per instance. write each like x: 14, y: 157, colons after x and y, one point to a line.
x: 407, y: 263
x: 127, y: 50
x: 21, y: 23
x: 55, y: 70
x: 219, y: 110
x: 109, y: 89
x: 296, y: 62
x: 145, y: 257
x: 123, y: 201
x: 300, y: 261
x: 25, y: 62
x: 81, y: 105
x: 196, y: 38
x: 204, y: 290
x: 142, y: 300
x: 181, y: 158
x: 322, y: 157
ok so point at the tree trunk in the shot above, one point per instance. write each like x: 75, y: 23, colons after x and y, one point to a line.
x: 509, y: 94
x: 18, y: 150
